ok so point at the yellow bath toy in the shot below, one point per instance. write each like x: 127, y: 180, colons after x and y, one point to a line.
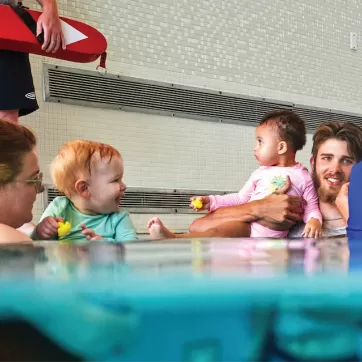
x: 197, y: 203
x: 63, y: 229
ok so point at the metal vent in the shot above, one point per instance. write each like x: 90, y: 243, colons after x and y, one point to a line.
x: 316, y: 117
x: 87, y: 88
x: 147, y: 200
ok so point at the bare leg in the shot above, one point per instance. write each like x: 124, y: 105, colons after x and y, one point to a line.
x: 232, y: 229
x: 12, y: 115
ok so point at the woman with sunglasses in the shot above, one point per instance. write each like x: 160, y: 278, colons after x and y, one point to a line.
x: 20, y: 180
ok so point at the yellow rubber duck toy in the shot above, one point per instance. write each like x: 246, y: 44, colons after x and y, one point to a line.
x: 197, y: 203
x: 64, y: 228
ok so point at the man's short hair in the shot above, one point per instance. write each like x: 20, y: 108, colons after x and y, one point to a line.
x: 343, y: 131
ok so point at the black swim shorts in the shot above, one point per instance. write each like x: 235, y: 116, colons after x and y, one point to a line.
x: 16, y: 83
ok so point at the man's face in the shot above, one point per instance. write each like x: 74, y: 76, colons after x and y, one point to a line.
x: 331, y: 169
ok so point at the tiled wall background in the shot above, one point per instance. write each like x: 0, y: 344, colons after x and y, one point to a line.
x: 294, y: 51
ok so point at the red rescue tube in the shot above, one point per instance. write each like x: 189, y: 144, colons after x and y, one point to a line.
x: 16, y: 36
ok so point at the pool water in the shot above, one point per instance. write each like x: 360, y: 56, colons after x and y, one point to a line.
x: 184, y: 300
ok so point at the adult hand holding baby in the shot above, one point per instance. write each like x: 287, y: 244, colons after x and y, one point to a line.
x: 279, y: 210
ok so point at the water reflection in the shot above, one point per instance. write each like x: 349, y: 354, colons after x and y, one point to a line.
x: 245, y: 257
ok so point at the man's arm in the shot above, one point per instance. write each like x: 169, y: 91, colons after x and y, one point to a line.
x: 50, y: 24
x: 277, y: 212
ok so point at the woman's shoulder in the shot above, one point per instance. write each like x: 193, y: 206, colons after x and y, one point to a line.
x: 11, y: 235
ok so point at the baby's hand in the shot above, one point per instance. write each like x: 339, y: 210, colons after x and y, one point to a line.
x: 90, y: 234
x: 313, y: 229
x: 48, y: 227
x: 199, y: 203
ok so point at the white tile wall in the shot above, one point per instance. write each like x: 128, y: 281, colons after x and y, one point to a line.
x: 296, y: 50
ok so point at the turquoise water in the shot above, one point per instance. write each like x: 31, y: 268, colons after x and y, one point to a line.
x: 194, y: 300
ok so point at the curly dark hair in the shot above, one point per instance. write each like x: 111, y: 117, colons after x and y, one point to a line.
x: 291, y: 127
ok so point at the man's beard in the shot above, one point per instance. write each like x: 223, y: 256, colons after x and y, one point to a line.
x: 325, y: 195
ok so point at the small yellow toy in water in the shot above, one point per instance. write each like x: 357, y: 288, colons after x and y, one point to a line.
x: 63, y: 229
x: 197, y: 203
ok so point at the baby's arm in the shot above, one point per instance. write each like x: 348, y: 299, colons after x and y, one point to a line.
x: 125, y: 230
x: 48, y: 225
x: 122, y: 230
x: 242, y: 197
x: 312, y: 215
